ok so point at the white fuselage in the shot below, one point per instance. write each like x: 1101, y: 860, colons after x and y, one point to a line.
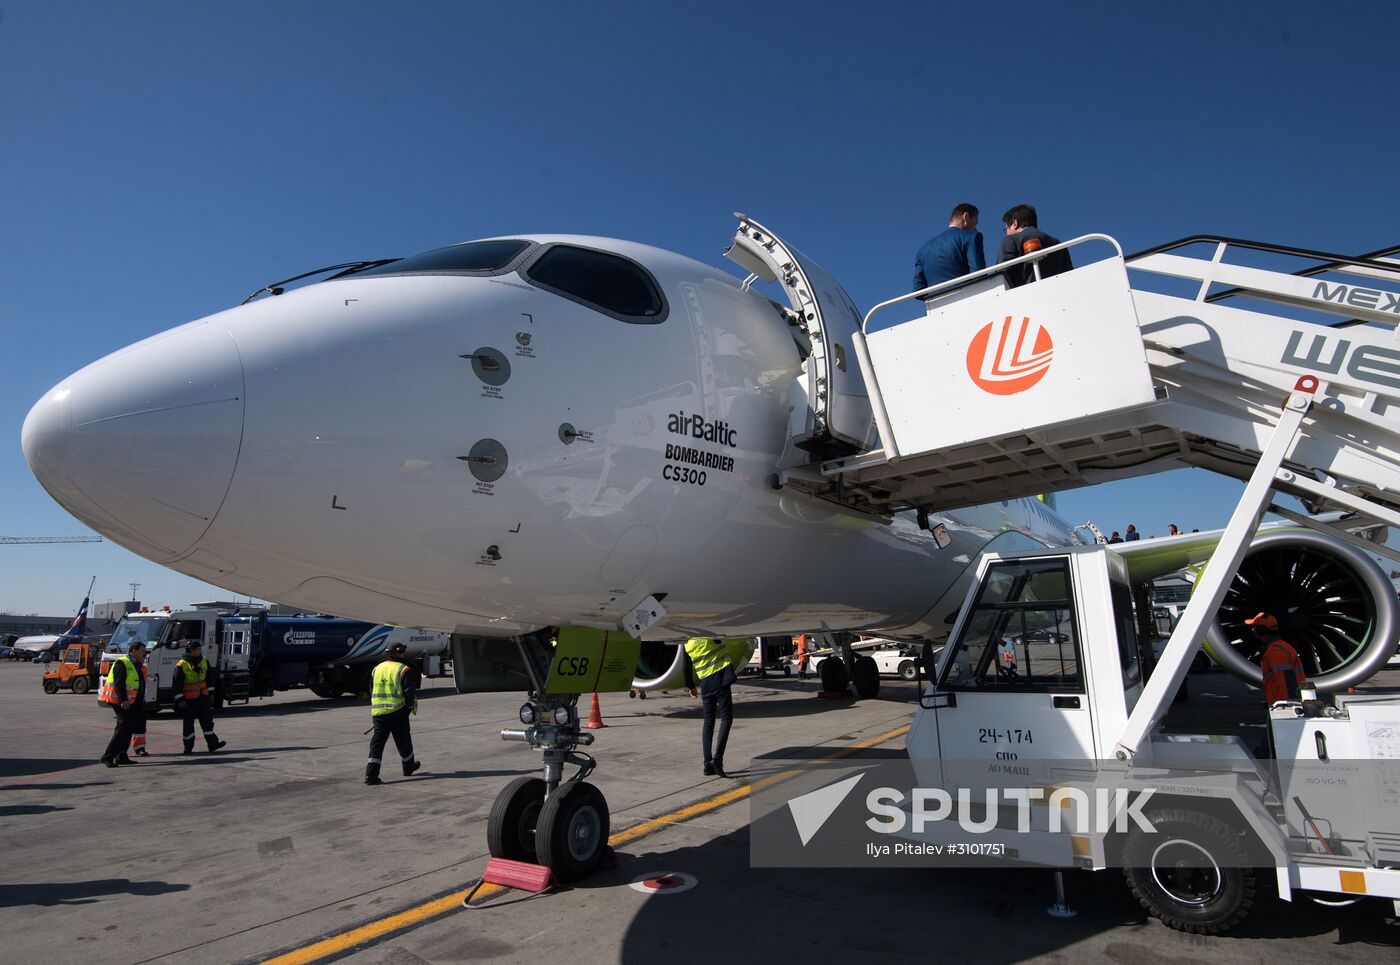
x: 306, y: 448
x: 35, y: 644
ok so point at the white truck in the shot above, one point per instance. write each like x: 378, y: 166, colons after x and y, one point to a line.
x: 1322, y: 816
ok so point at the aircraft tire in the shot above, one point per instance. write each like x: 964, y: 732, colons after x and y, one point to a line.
x: 833, y: 674
x: 510, y: 831
x: 865, y: 677
x: 572, y: 837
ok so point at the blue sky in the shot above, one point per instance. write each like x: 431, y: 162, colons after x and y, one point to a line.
x: 162, y: 160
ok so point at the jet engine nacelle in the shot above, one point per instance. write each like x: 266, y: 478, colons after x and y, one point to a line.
x: 1333, y: 602
x: 662, y: 665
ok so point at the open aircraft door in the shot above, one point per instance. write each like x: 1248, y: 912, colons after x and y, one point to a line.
x: 831, y: 413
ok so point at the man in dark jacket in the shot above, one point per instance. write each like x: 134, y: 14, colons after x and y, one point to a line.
x: 191, y: 688
x: 124, y: 690
x: 393, y: 700
x: 1024, y: 237
x: 710, y: 675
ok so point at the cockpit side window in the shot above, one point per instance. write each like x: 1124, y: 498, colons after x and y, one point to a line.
x: 470, y: 258
x: 603, y: 281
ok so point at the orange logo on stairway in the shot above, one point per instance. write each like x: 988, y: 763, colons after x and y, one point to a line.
x: 1007, y: 357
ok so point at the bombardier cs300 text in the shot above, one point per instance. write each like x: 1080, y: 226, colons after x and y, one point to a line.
x: 507, y: 436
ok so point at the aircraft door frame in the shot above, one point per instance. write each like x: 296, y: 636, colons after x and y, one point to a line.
x: 832, y: 414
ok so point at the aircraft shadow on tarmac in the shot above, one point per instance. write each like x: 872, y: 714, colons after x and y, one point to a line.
x: 17, y: 810
x: 803, y: 706
x: 26, y: 766
x: 427, y: 775
x: 81, y: 892
x: 986, y: 915
x: 67, y: 786
x: 774, y: 759
x: 192, y: 760
x: 261, y: 707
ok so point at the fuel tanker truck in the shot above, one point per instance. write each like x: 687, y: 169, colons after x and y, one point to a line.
x: 254, y: 654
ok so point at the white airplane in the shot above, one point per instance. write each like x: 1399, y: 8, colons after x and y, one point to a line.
x: 37, y: 644
x: 506, y: 436
x: 50, y: 643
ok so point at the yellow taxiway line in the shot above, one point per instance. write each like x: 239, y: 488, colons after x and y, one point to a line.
x: 336, y: 944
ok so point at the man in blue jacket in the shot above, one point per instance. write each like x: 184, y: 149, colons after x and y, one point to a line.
x: 953, y: 253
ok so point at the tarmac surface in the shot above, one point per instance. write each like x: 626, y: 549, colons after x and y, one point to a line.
x: 274, y: 844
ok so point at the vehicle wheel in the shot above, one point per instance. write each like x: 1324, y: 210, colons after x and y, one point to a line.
x: 50, y: 686
x: 833, y: 674
x: 787, y: 670
x: 865, y: 677
x: 1190, y: 873
x: 325, y: 690
x: 1200, y: 663
x: 510, y: 831
x: 573, y: 831
x: 81, y: 685
x: 907, y: 670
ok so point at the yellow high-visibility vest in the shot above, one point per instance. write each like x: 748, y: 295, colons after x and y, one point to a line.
x: 386, y: 688
x: 708, y: 655
x: 195, y: 682
x: 107, y: 693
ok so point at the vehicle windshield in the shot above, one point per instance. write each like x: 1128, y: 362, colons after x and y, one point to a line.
x: 146, y: 629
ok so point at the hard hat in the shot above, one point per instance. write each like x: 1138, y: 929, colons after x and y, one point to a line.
x: 396, y: 648
x: 1265, y: 620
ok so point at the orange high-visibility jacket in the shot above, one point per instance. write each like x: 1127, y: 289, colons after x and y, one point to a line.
x: 194, y: 683
x: 1279, y: 664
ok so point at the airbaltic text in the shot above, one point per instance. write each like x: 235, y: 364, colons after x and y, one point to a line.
x: 698, y: 427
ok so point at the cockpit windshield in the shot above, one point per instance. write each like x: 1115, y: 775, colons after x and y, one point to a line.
x: 485, y: 257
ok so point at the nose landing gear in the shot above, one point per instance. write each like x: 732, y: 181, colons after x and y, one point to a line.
x: 561, y: 824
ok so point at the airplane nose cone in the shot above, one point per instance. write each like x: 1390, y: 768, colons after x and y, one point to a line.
x: 141, y: 445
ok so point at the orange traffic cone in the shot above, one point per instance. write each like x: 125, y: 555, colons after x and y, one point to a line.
x: 595, y: 714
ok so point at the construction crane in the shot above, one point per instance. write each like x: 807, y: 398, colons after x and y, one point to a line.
x: 50, y: 539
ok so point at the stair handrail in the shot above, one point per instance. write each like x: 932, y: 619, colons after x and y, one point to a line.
x: 996, y: 269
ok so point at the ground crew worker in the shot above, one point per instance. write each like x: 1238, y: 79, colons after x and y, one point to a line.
x: 710, y: 675
x: 138, y: 720
x: 804, y: 650
x: 393, y: 699
x: 1283, y: 670
x: 123, y: 689
x: 191, y: 686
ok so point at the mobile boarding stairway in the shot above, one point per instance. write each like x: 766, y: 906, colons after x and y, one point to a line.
x: 980, y: 392
x: 1118, y: 368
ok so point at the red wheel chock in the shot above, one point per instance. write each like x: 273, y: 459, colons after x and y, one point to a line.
x: 518, y: 875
